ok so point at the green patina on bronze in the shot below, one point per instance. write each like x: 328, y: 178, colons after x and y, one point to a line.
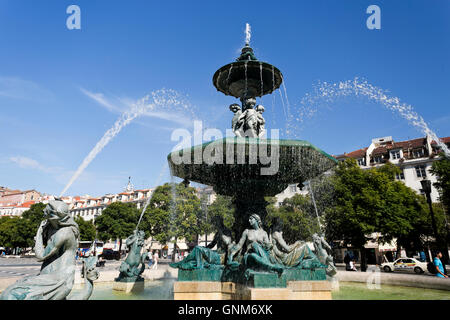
x: 253, y: 279
x: 298, y: 161
x: 134, y: 264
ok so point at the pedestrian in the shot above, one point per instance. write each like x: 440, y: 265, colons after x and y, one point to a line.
x: 347, y: 260
x: 438, y: 264
x: 155, y: 260
x: 422, y: 256
x: 353, y: 265
x: 150, y: 258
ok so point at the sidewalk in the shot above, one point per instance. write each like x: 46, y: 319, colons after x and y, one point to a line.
x: 427, y: 281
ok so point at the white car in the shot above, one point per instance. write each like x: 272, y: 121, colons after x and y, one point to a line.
x: 405, y: 264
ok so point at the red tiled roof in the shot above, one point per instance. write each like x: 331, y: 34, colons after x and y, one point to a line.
x: 379, y: 150
x: 407, y: 144
x: 357, y: 154
x: 414, y: 143
x: 444, y: 140
x: 26, y: 204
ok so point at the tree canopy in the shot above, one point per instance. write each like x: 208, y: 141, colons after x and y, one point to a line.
x: 441, y: 168
x: 87, y: 229
x: 117, y: 221
x: 295, y: 217
x: 20, y: 231
x: 368, y: 201
x: 174, y: 212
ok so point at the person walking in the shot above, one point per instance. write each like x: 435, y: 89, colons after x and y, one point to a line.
x: 155, y: 260
x: 438, y: 264
x: 347, y: 260
x: 150, y: 259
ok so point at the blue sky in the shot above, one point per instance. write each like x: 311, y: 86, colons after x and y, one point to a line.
x: 61, y: 89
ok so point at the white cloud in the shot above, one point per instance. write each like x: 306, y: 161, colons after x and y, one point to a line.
x: 16, y: 88
x: 100, y: 99
x: 28, y: 163
x: 127, y: 104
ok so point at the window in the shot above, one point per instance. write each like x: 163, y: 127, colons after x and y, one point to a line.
x: 418, y: 153
x: 395, y: 154
x: 421, y: 172
x: 362, y: 161
x: 400, y: 176
x: 293, y: 188
x: 377, y: 159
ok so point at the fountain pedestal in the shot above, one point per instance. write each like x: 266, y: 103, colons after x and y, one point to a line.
x: 129, y: 286
x: 215, y: 290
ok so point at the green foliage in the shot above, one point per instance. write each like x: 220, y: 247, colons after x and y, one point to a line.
x: 117, y: 221
x: 174, y: 212
x: 221, y: 211
x: 368, y: 201
x: 35, y: 215
x: 297, y: 222
x: 87, y: 229
x: 441, y: 169
x: 16, y: 232
x: 20, y: 231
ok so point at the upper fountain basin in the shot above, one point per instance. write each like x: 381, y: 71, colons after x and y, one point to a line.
x: 247, y: 78
x: 239, y: 165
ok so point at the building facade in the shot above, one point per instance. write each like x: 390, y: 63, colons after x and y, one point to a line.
x: 414, y: 158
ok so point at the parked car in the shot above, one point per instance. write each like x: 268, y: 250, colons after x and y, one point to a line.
x: 110, y: 254
x: 405, y: 264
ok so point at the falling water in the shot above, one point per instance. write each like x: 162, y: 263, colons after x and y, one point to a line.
x: 162, y: 98
x: 260, y: 74
x: 248, y: 33
x: 173, y: 204
x: 314, y: 203
x: 229, y: 73
x: 356, y: 87
x: 147, y: 202
x: 273, y: 89
x: 245, y: 78
x: 282, y: 103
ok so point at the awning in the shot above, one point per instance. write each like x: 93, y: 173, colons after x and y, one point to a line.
x: 156, y: 246
x: 388, y: 246
x: 180, y: 246
x: 371, y: 245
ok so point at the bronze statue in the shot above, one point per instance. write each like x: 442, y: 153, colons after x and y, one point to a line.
x: 257, y: 255
x: 134, y: 264
x: 297, y: 255
x: 323, y: 252
x: 204, y: 257
x: 56, y: 246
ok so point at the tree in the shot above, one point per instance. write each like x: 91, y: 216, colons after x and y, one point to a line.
x: 221, y: 211
x: 294, y: 214
x: 15, y: 232
x: 174, y: 212
x: 368, y: 201
x: 117, y: 221
x: 441, y: 169
x: 87, y: 229
x: 19, y: 232
x: 35, y: 215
